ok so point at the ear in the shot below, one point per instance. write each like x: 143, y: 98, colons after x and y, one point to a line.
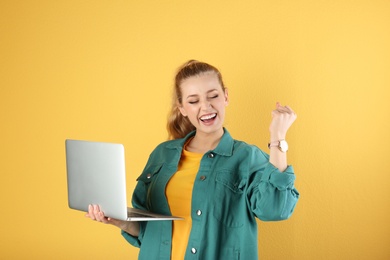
x: 181, y: 109
x: 226, y: 97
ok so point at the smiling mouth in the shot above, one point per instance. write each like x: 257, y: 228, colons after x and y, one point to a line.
x: 208, y: 118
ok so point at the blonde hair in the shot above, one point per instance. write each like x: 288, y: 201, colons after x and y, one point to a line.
x: 179, y: 126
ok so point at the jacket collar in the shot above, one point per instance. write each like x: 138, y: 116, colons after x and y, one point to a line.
x: 224, y: 148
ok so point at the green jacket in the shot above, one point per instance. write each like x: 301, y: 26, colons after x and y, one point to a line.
x: 235, y: 183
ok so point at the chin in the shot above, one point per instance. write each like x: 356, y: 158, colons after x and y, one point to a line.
x: 210, y: 130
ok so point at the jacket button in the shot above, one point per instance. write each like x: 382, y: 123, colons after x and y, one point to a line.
x: 202, y: 178
x: 148, y: 176
x: 193, y: 250
x: 211, y: 155
x: 198, y: 212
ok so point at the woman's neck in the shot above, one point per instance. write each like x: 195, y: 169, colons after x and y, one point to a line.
x: 203, y: 142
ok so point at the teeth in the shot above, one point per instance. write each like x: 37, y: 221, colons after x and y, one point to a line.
x: 208, y: 117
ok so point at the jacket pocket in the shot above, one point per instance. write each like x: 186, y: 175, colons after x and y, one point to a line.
x: 229, y: 253
x: 229, y: 199
x: 149, y: 173
x: 146, y: 180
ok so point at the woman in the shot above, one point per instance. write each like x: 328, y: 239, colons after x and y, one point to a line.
x: 217, y: 184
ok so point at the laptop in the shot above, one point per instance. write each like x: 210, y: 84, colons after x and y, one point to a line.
x: 96, y: 175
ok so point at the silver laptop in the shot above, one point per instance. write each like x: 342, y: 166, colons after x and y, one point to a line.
x: 96, y: 175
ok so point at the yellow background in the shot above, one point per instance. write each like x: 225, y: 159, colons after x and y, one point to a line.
x: 103, y: 71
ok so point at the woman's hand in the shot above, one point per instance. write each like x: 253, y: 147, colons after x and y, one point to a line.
x: 96, y: 214
x: 282, y: 118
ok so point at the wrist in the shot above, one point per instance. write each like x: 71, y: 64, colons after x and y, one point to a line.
x: 277, y: 137
x: 133, y: 228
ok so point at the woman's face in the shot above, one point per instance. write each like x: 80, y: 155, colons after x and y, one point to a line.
x: 204, y: 102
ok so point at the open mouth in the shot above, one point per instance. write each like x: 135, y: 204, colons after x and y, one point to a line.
x: 208, y: 118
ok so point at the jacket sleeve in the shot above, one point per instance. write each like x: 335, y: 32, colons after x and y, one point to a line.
x: 135, y: 241
x: 139, y: 195
x: 271, y: 193
x: 139, y: 202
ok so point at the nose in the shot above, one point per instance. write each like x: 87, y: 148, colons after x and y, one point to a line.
x: 206, y: 104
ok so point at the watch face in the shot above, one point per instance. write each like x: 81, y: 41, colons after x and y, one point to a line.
x: 283, y: 146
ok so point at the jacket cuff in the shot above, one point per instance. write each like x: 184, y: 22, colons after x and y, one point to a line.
x: 135, y: 241
x: 280, y: 180
x: 131, y: 239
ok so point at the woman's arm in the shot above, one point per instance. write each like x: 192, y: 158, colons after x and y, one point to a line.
x: 131, y: 227
x: 282, y: 118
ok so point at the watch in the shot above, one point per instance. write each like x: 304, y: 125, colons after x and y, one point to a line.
x: 281, y: 144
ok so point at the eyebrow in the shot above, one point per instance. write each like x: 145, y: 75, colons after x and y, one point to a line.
x: 195, y: 95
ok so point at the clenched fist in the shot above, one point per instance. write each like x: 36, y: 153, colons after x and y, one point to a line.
x: 282, y: 118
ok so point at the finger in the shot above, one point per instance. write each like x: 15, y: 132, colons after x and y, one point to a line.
x: 280, y: 111
x: 285, y: 109
x: 111, y: 221
x: 116, y: 222
x: 282, y: 108
x: 99, y: 215
x: 274, y: 113
x: 102, y: 218
x: 90, y: 213
x: 288, y: 108
x: 96, y: 209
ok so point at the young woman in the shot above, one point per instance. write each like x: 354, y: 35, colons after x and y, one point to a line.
x: 217, y: 184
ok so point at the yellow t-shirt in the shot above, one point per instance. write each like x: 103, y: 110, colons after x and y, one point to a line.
x: 179, y: 194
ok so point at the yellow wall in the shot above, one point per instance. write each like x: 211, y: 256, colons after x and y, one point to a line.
x: 102, y: 70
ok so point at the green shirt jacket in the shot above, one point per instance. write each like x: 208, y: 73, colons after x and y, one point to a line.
x: 235, y: 183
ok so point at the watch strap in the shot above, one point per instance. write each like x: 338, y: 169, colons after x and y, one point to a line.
x: 273, y: 144
x: 281, y: 144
